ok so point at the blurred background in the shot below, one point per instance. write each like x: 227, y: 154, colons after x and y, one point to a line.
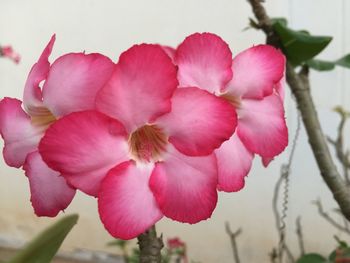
x: 112, y: 26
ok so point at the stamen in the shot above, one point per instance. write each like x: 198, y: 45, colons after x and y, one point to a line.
x: 42, y: 117
x: 147, y: 143
x: 234, y: 100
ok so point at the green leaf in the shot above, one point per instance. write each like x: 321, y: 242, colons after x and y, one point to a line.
x: 344, y: 61
x: 300, y: 46
x: 320, y: 65
x: 281, y: 20
x: 44, y: 246
x: 312, y: 258
x: 331, y: 256
x: 253, y: 24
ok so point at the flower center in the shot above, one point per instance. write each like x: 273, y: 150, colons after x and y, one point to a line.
x: 148, y: 143
x: 234, y: 100
x: 42, y: 117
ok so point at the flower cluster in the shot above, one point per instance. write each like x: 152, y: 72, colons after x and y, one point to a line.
x: 156, y: 134
x: 8, y: 52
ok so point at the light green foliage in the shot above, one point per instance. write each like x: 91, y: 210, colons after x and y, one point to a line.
x: 44, y: 247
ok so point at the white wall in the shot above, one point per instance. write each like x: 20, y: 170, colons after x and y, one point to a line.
x: 110, y: 27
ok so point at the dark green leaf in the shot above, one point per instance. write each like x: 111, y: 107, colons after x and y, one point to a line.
x: 344, y: 61
x: 44, y: 247
x: 299, y: 46
x: 312, y: 258
x: 320, y: 65
x: 331, y: 256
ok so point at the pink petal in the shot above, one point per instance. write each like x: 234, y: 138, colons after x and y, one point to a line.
x: 262, y: 126
x: 74, y: 80
x: 7, y: 51
x: 83, y: 147
x: 49, y: 191
x: 170, y: 51
x: 32, y: 97
x: 199, y: 122
x: 185, y: 187
x: 234, y: 163
x: 266, y: 161
x: 141, y: 86
x: 204, y: 61
x: 20, y: 136
x: 125, y: 202
x: 256, y: 71
x: 279, y: 87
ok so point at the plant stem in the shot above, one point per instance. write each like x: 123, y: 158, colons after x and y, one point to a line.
x: 300, y: 87
x: 150, y: 246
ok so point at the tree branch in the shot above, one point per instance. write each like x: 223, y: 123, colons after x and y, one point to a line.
x: 338, y: 144
x: 150, y: 246
x: 300, y: 87
x: 300, y: 236
x: 329, y: 219
x: 233, y: 236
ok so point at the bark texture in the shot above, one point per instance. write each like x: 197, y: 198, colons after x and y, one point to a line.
x: 150, y: 246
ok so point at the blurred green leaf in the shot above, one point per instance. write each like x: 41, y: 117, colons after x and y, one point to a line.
x: 341, y: 243
x: 344, y: 61
x: 135, y: 256
x: 312, y: 258
x: 331, y: 256
x: 281, y: 20
x: 344, y: 254
x: 320, y: 65
x: 118, y: 242
x: 324, y: 65
x: 44, y: 246
x: 253, y: 23
x: 299, y: 46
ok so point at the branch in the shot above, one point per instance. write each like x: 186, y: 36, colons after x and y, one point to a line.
x: 330, y: 219
x: 299, y: 232
x: 338, y: 144
x: 150, y: 246
x: 277, y: 254
x: 233, y: 236
x: 300, y: 87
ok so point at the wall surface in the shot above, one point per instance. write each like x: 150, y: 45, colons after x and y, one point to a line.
x: 111, y: 26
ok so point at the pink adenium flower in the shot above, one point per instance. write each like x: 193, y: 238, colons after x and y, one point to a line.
x: 178, y: 247
x: 252, y: 83
x: 147, y: 152
x: 175, y: 242
x: 7, y: 51
x: 71, y: 84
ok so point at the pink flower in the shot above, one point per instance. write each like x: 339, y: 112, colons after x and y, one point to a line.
x: 178, y: 247
x: 251, y: 82
x: 175, y: 242
x: 7, y: 51
x: 147, y: 152
x: 71, y: 84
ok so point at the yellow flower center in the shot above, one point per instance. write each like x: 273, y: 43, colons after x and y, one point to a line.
x: 148, y: 143
x: 42, y: 117
x: 234, y: 100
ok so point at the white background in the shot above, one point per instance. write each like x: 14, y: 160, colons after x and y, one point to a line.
x: 109, y: 27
